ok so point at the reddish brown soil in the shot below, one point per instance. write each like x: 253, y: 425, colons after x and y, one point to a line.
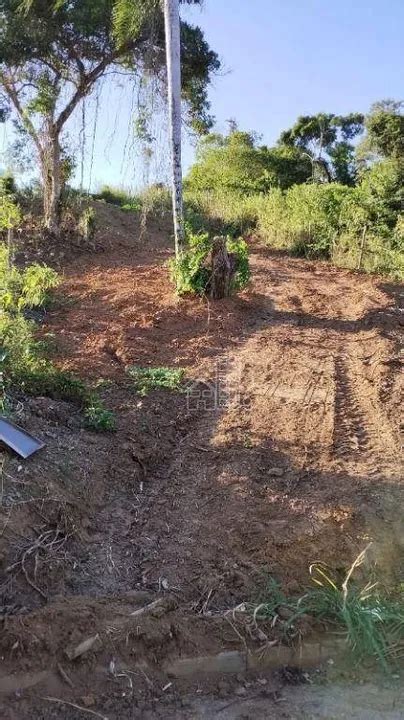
x: 295, y: 459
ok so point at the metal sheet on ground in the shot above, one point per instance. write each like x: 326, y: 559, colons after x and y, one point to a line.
x: 18, y: 439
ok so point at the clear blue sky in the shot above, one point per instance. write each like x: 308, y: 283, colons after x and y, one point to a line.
x: 281, y: 59
x: 291, y: 57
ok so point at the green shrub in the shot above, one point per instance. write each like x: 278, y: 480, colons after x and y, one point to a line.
x: 10, y: 215
x: 147, y: 379
x: 97, y: 417
x: 114, y: 195
x: 221, y: 211
x: 190, y: 271
x: 23, y: 364
x: 236, y: 163
x: 37, y: 283
x: 29, y: 288
x: 306, y: 219
x: 239, y: 248
x: 7, y: 185
x: 330, y: 221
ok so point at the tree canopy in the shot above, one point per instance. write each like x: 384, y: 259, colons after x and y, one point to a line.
x: 326, y: 140
x: 385, y: 129
x: 237, y: 162
x: 51, y: 56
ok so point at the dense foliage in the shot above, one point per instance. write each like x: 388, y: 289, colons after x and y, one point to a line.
x: 238, y: 163
x: 23, y: 362
x: 326, y: 140
x: 385, y: 129
x: 349, y: 209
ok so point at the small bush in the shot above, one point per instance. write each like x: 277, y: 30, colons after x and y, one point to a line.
x: 29, y: 288
x: 7, y: 185
x: 23, y: 364
x: 37, y: 283
x: 97, y: 417
x: 10, y: 215
x: 239, y: 248
x: 147, y: 379
x: 190, y: 271
x: 114, y: 195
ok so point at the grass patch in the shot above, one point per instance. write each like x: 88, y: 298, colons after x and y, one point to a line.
x: 46, y: 380
x: 114, y: 195
x: 154, y: 200
x: 148, y: 379
x: 372, y: 620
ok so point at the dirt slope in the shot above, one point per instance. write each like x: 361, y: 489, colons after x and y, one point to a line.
x: 285, y: 450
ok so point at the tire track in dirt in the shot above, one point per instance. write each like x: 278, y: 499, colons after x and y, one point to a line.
x: 363, y: 428
x: 350, y: 431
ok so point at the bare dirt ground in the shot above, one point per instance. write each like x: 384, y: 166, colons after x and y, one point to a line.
x: 284, y: 450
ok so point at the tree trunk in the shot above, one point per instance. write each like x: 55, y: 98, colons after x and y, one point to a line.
x: 52, y: 185
x: 223, y: 269
x: 173, y: 48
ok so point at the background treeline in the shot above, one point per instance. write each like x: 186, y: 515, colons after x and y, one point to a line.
x: 331, y: 188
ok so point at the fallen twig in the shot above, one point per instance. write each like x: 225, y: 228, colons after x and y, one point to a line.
x: 65, y: 676
x: 27, y: 577
x: 147, y: 608
x: 77, y: 707
x: 82, y: 647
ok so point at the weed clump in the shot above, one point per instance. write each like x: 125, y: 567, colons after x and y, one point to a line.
x: 373, y: 621
x: 148, y: 379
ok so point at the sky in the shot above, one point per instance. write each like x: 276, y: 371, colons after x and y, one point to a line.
x: 281, y: 59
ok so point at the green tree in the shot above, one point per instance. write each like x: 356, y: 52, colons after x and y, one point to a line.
x: 237, y: 162
x: 52, y: 55
x: 384, y: 130
x: 325, y: 138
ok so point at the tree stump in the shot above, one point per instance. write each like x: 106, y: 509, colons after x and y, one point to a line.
x: 223, y: 269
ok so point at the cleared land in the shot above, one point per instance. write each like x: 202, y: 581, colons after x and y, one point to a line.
x: 283, y: 449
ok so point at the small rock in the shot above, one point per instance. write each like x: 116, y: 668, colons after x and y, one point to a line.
x: 240, y: 691
x: 88, y: 700
x: 276, y: 472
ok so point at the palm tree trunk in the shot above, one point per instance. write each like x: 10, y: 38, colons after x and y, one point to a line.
x: 173, y: 47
